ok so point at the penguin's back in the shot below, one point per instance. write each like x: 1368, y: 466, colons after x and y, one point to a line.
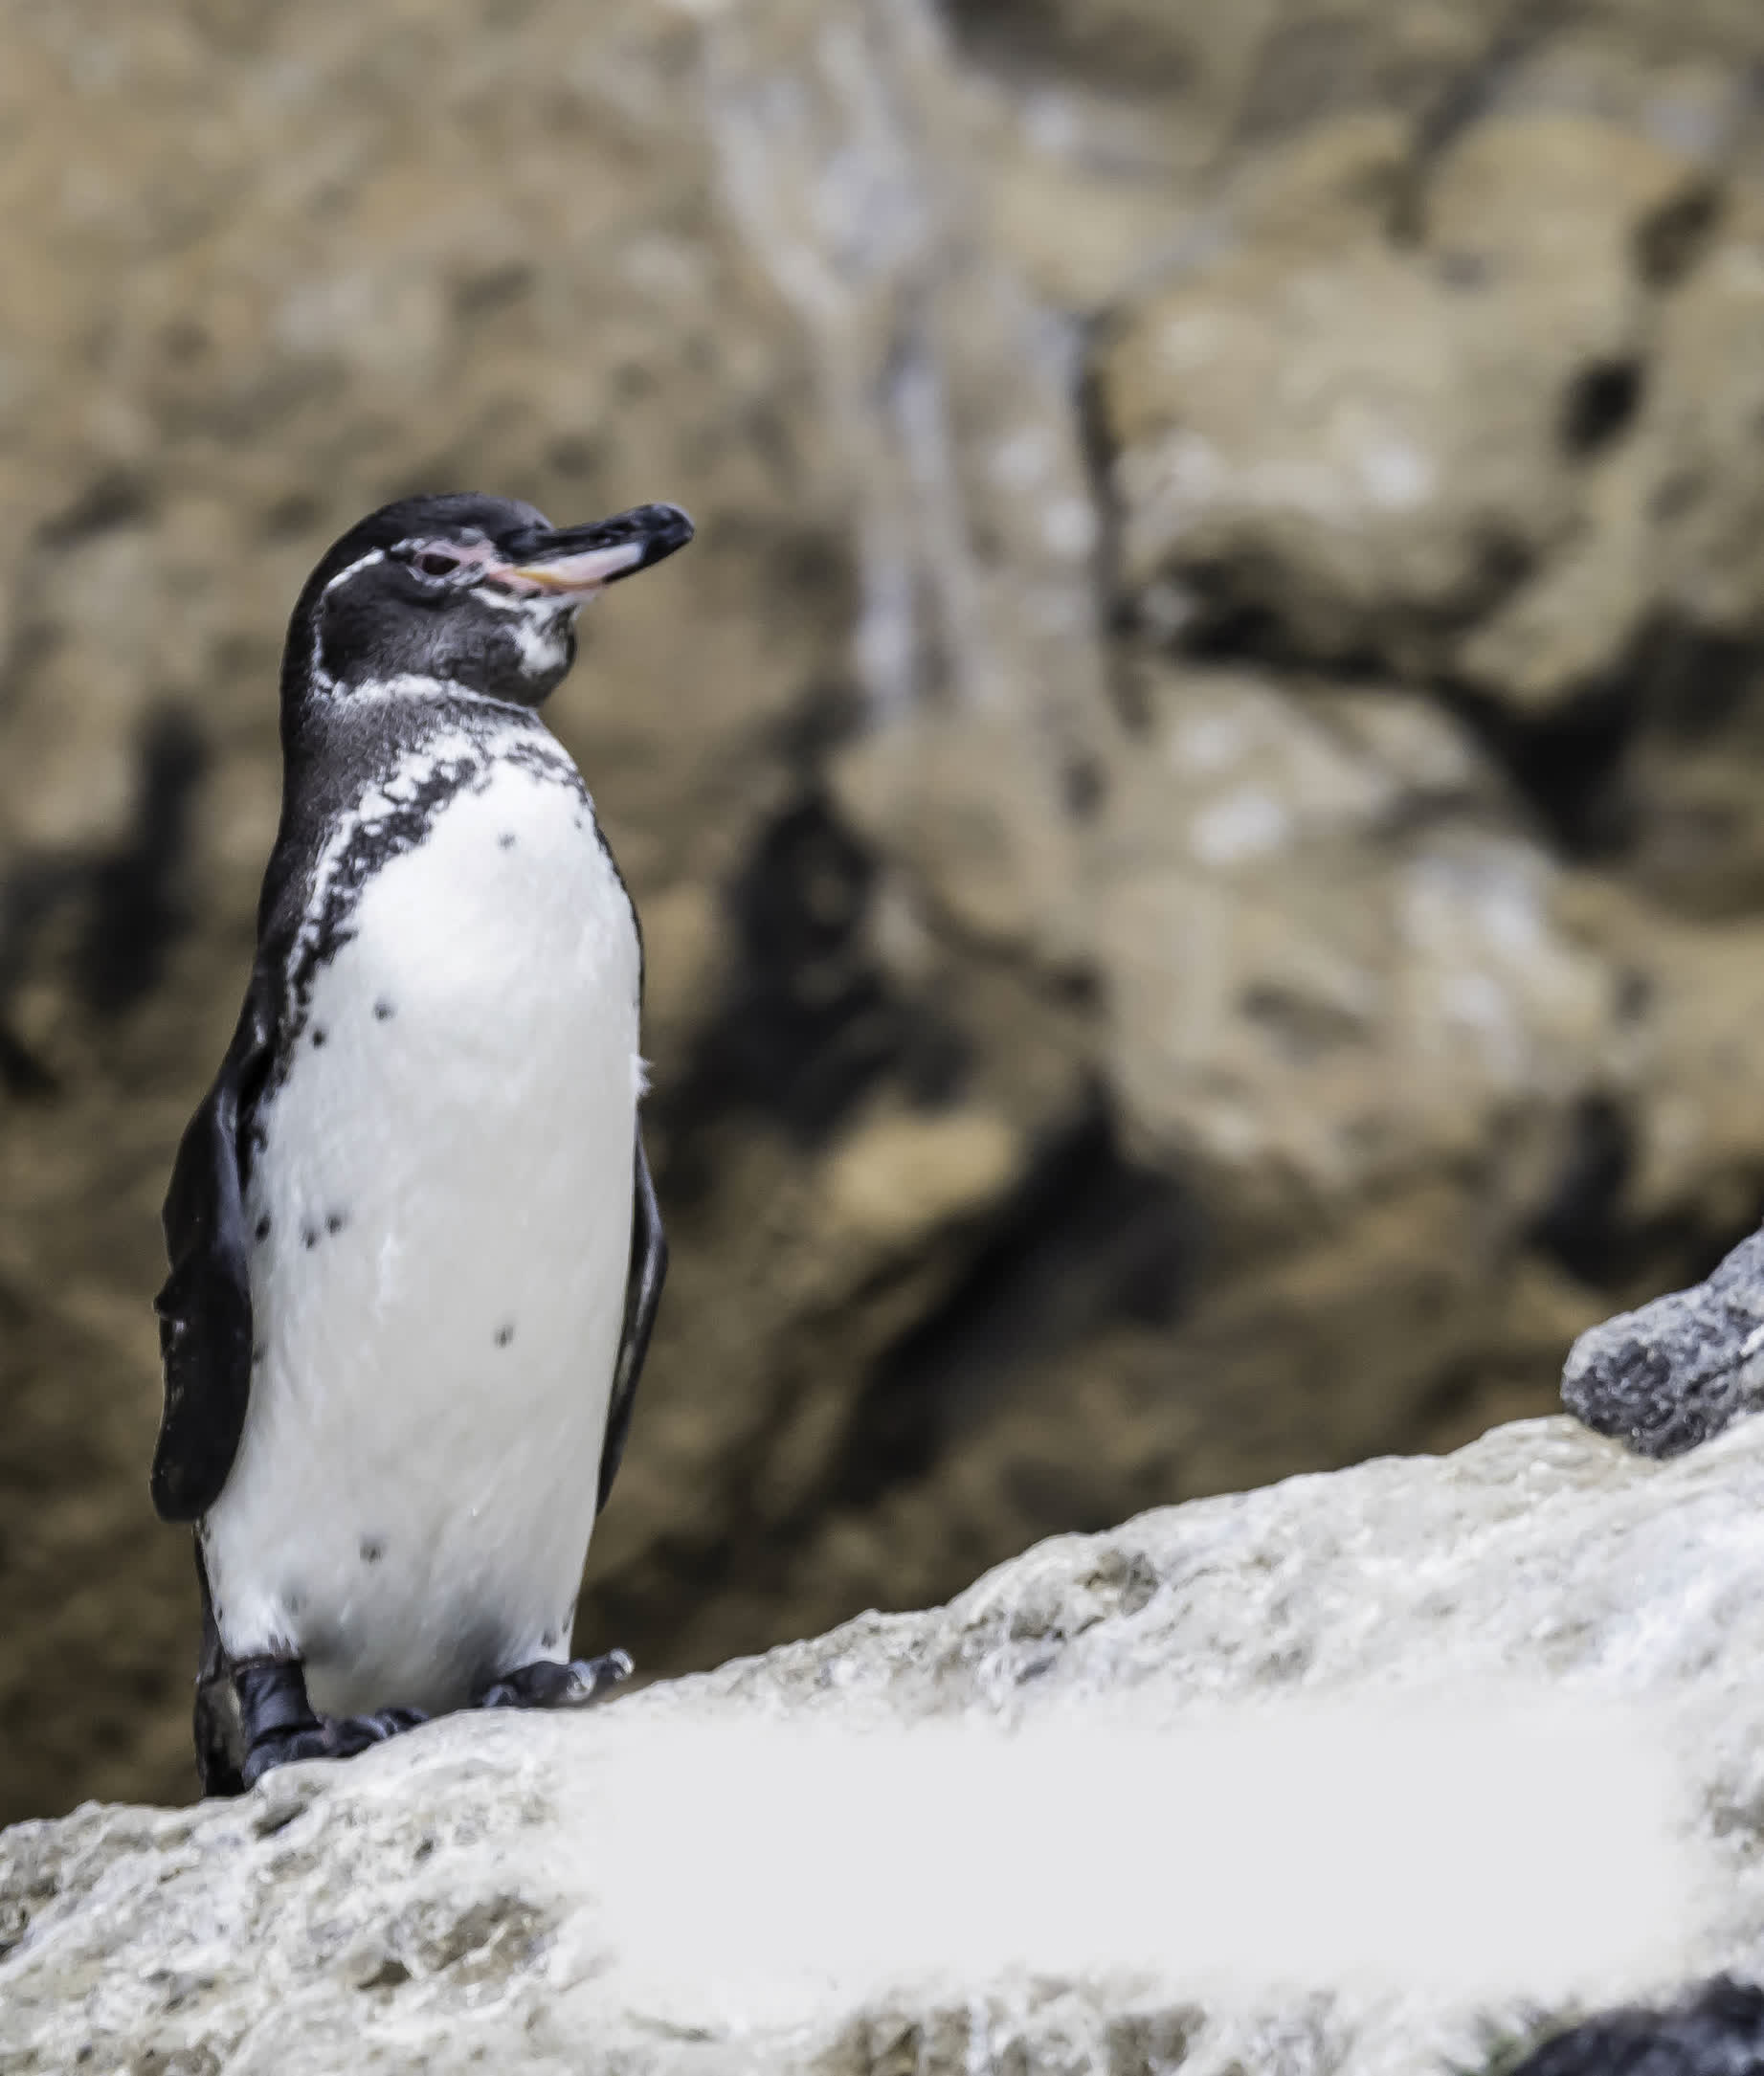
x: 439, y: 1200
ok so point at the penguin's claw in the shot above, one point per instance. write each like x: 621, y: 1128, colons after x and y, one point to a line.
x: 325, y: 1737
x: 549, y: 1685
x: 282, y: 1727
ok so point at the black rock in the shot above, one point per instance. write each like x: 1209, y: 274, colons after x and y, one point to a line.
x: 1717, y: 2032
x: 1679, y: 1370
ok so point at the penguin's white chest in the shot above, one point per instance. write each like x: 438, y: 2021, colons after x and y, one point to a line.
x: 441, y: 1199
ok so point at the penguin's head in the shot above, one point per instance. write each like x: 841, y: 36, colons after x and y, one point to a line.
x: 472, y: 593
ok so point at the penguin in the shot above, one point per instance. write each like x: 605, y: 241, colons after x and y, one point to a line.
x: 414, y: 1243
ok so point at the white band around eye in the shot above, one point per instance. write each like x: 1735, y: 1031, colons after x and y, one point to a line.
x: 321, y: 678
x: 361, y: 562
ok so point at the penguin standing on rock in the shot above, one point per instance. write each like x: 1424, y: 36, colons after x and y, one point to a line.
x: 414, y: 1249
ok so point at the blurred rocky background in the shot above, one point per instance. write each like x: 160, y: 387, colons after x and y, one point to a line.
x: 1197, y: 805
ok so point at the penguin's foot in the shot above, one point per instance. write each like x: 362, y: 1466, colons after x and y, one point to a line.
x: 547, y: 1684
x: 325, y: 1737
x: 279, y: 1727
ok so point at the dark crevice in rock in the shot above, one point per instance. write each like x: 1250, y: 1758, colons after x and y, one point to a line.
x: 1097, y: 449
x: 1587, y: 1230
x: 809, y: 1023
x: 818, y: 725
x: 1238, y: 611
x: 33, y: 891
x: 114, y: 498
x: 1690, y: 683
x: 1572, y: 764
x: 1043, y: 36
x: 1566, y: 763
x: 1669, y: 243
x: 123, y: 902
x: 1088, y: 1239
x: 1581, y: 1225
x: 1677, y: 682
x: 35, y: 888
x: 135, y: 914
x: 1464, y: 99
x: 1601, y: 406
x: 1235, y: 618
x: 492, y: 289
x: 22, y: 1073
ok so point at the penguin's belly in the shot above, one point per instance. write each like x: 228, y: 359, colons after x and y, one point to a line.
x: 440, y: 1201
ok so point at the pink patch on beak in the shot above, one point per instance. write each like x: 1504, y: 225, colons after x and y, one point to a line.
x: 582, y: 575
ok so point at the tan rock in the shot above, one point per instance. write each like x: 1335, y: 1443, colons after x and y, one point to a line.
x: 896, y: 1180
x: 1352, y: 451
x: 1297, y: 1016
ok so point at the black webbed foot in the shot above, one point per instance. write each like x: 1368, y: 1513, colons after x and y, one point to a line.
x: 325, y: 1737
x: 278, y: 1725
x: 547, y: 1684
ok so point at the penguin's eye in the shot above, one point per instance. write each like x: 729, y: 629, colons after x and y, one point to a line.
x: 434, y: 564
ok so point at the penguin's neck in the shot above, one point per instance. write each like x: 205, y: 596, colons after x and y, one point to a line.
x: 364, y: 775
x: 333, y: 742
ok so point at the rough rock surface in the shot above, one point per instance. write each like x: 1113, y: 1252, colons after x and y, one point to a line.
x: 1680, y: 1369
x: 1718, y: 2032
x: 626, y: 1889
x: 1200, y: 839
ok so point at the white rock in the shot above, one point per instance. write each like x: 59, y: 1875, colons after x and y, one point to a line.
x: 1378, y: 1772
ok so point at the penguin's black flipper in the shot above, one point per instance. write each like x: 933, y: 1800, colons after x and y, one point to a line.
x: 649, y: 1265
x: 204, y: 1307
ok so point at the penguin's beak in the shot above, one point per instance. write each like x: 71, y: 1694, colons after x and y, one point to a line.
x: 578, y: 561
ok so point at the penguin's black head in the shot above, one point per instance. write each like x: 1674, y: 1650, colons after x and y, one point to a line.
x: 469, y: 593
